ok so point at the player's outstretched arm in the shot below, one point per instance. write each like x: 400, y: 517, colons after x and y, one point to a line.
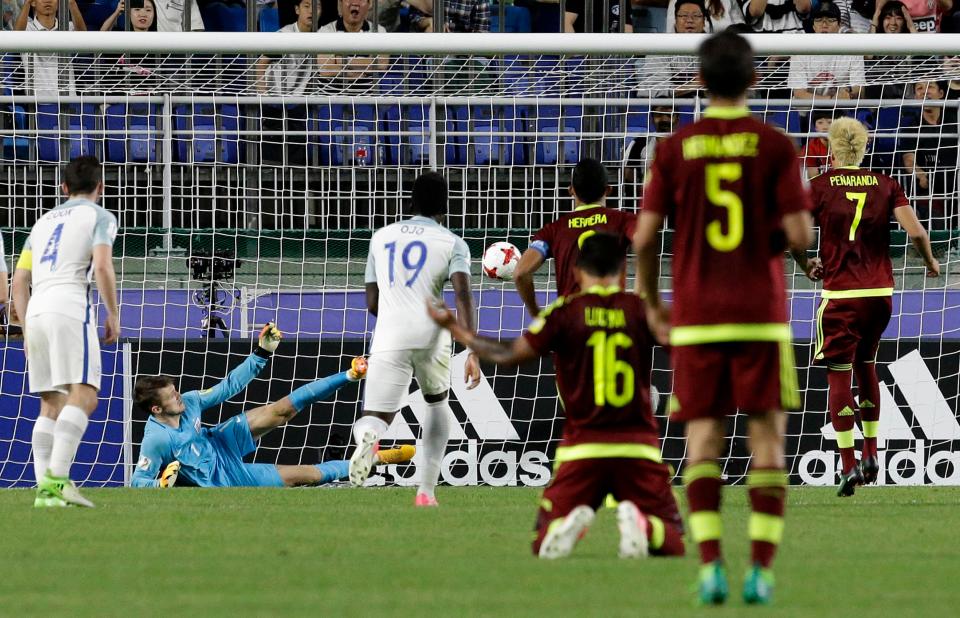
x: 918, y: 236
x: 507, y: 353
x: 238, y: 379
x: 529, y: 263
x: 154, y: 451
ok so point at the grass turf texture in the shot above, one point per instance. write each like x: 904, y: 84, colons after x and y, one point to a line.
x: 336, y: 552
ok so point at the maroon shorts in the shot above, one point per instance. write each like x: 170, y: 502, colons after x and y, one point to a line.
x: 714, y: 380
x: 849, y: 329
x: 589, y: 481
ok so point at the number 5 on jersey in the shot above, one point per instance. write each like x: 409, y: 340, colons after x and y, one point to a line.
x: 53, y: 247
x: 714, y: 174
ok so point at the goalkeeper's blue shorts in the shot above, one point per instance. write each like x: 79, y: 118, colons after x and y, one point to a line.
x: 232, y: 440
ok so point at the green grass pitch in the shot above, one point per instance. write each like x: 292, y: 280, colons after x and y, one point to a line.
x: 344, y: 552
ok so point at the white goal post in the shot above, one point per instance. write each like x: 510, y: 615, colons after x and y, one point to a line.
x: 278, y: 155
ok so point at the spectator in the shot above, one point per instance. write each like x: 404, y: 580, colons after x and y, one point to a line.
x: 718, y: 16
x: 42, y: 71
x: 828, y: 77
x: 575, y: 18
x: 170, y: 15
x: 639, y: 152
x: 353, y: 18
x: 460, y: 15
x: 927, y: 14
x: 287, y: 75
x: 690, y: 17
x: 815, y: 155
x: 892, y: 17
x: 142, y: 19
x: 931, y: 159
x: 775, y: 15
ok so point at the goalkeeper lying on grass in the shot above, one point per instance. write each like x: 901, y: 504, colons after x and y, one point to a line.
x: 174, y: 440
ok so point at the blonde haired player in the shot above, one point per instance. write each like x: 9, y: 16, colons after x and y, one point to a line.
x: 853, y: 208
x: 65, y: 246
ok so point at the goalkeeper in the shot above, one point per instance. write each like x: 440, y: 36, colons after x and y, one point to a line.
x: 175, y: 442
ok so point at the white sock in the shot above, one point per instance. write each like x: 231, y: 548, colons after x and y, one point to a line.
x: 70, y: 426
x: 436, y: 433
x: 368, y: 423
x: 42, y: 445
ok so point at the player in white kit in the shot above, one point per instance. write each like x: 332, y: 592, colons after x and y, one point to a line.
x: 65, y: 246
x: 409, y: 262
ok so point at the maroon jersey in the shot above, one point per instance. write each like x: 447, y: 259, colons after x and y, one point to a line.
x: 853, y: 208
x: 561, y: 239
x: 726, y: 182
x: 602, y: 353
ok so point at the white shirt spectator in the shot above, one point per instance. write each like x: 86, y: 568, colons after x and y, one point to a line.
x: 337, y: 26
x: 780, y: 16
x: 43, y: 70
x: 170, y: 15
x: 291, y: 73
x: 823, y: 74
x: 732, y: 14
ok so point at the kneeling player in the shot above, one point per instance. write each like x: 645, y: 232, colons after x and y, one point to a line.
x: 853, y: 207
x: 175, y: 442
x: 611, y: 441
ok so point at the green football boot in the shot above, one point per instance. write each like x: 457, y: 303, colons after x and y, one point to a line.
x: 54, y: 490
x: 712, y: 586
x: 758, y: 586
x: 46, y: 499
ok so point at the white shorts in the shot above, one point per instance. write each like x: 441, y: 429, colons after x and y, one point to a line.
x: 389, y: 373
x: 61, y: 351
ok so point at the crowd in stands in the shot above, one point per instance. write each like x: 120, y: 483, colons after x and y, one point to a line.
x: 857, y: 16
x: 928, y: 161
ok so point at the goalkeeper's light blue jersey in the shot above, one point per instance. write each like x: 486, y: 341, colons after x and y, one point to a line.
x: 190, y: 444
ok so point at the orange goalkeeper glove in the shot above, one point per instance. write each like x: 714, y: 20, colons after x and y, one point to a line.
x: 270, y: 337
x: 169, y: 477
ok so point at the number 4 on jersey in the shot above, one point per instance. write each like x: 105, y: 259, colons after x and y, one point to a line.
x: 52, y: 248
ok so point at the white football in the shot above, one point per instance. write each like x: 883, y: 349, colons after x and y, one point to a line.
x: 500, y: 260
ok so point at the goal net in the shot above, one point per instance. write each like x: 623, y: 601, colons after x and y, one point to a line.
x: 248, y: 173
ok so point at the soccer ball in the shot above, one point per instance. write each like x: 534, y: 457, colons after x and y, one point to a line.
x: 500, y: 260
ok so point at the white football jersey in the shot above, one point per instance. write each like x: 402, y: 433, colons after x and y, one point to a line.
x: 59, y: 252
x: 410, y: 261
x: 3, y: 259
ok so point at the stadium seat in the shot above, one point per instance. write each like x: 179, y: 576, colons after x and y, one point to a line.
x: 138, y: 142
x: 94, y: 15
x: 544, y: 17
x: 484, y: 123
x: 221, y: 17
x: 229, y: 116
x: 51, y: 117
x: 269, y: 20
x: 558, y: 149
x: 517, y: 19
